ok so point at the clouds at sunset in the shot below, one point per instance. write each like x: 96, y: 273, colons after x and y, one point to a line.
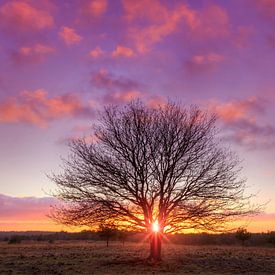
x: 161, y: 21
x: 90, y: 11
x: 32, y: 54
x: 62, y: 61
x: 211, y: 21
x: 96, y: 52
x: 121, y: 97
x: 106, y: 80
x: 97, y: 7
x: 121, y: 51
x: 203, y: 63
x: 25, y: 208
x: 242, y: 118
x: 22, y: 16
x: 26, y: 213
x: 37, y: 108
x: 239, y: 109
x: 69, y: 36
x: 265, y: 7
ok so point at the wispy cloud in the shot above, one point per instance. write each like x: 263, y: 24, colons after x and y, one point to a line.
x: 106, y: 80
x: 121, y: 97
x: 96, y: 52
x: 212, y: 22
x: 22, y: 16
x: 161, y: 21
x: 24, y: 208
x: 27, y: 213
x: 265, y: 7
x: 203, y: 63
x: 32, y: 53
x: 121, y: 51
x: 69, y: 36
x: 242, y: 120
x: 97, y: 7
x: 37, y: 108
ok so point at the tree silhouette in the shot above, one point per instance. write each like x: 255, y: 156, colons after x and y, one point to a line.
x: 151, y: 167
x: 106, y: 232
x: 242, y: 235
x: 122, y: 236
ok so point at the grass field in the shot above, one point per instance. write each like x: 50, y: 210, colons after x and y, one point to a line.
x: 94, y: 258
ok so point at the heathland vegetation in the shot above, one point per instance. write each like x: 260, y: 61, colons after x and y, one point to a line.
x: 112, y: 235
x: 93, y: 257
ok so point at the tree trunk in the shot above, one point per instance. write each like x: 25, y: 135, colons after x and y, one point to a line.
x: 107, y: 242
x: 155, y: 247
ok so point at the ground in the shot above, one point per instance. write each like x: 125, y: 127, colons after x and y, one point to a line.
x: 86, y: 257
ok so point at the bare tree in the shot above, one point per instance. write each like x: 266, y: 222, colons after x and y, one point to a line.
x: 107, y: 232
x: 161, y: 170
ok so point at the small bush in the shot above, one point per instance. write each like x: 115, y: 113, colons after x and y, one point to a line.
x: 271, y: 237
x: 14, y: 239
x: 242, y: 235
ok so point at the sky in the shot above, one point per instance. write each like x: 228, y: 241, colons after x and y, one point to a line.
x: 62, y: 61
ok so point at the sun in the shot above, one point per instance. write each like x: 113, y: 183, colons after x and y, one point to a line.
x: 155, y: 227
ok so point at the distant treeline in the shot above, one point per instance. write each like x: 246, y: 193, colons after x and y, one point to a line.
x: 250, y: 239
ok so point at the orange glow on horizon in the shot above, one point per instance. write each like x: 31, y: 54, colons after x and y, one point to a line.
x: 28, y: 221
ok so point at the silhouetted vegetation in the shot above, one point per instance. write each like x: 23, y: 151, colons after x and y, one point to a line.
x: 255, y: 239
x: 242, y: 235
x: 107, y: 232
x: 15, y: 239
x: 271, y: 237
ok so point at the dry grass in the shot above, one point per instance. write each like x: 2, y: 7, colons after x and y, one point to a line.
x: 94, y: 258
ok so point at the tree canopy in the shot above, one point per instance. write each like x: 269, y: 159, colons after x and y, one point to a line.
x: 162, y: 164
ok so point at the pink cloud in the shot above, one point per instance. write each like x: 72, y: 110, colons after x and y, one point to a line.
x: 69, y: 36
x: 66, y: 140
x: 239, y: 109
x: 121, y: 51
x: 162, y: 21
x: 134, y: 10
x: 155, y: 11
x: 95, y: 53
x: 203, y: 63
x: 36, y: 108
x: 20, y: 15
x: 121, y: 97
x: 213, y: 22
x: 271, y: 41
x: 79, y: 131
x: 242, y: 123
x: 266, y: 8
x: 32, y: 54
x: 104, y: 79
x: 209, y: 58
x: 156, y: 101
x: 97, y: 7
x: 242, y: 36
x: 91, y: 11
x: 25, y: 208
x: 265, y: 217
x: 119, y: 90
